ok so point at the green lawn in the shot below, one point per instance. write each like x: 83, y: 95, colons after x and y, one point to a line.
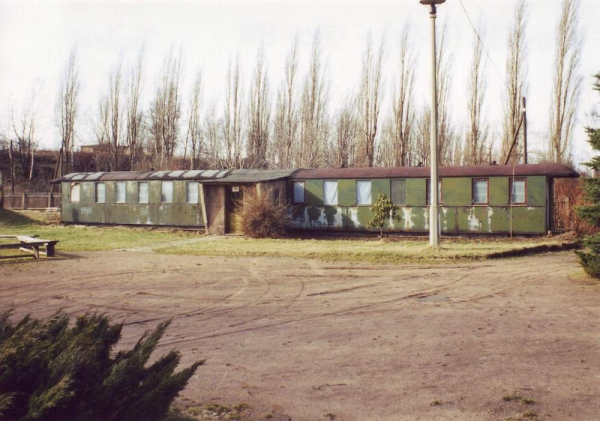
x: 83, y: 238
x: 394, y: 250
x: 75, y: 238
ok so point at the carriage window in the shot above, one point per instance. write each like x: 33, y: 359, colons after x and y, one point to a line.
x: 330, y: 196
x: 428, y: 192
x: 75, y: 192
x: 363, y: 192
x: 299, y: 192
x: 518, y: 189
x: 480, y: 191
x: 399, y: 192
x: 167, y: 192
x: 100, y: 193
x: 121, y: 189
x: 143, y: 192
x: 192, y: 192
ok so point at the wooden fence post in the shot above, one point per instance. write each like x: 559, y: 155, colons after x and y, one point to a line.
x: 24, y: 200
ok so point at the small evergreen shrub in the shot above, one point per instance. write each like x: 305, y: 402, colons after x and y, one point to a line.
x: 50, y: 372
x: 383, y: 209
x: 590, y: 260
x: 263, y: 217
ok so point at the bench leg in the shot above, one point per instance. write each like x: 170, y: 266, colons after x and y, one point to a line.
x: 50, y: 250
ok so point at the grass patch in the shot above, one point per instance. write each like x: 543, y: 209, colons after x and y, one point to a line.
x: 73, y: 238
x: 397, y: 250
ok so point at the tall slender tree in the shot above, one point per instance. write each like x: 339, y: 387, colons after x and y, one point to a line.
x: 567, y: 83
x: 67, y: 111
x: 194, y: 135
x: 233, y: 121
x: 477, y: 135
x: 516, y: 71
x: 133, y: 114
x: 369, y: 101
x: 286, y: 122
x: 259, y: 115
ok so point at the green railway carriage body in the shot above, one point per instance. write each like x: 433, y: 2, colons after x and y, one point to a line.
x: 473, y: 200
x: 493, y: 212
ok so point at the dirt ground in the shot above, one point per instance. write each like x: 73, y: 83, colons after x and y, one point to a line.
x: 311, y: 340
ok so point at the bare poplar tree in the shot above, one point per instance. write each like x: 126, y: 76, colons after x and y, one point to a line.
x: 478, y: 132
x: 193, y: 137
x: 134, y: 115
x: 232, y: 123
x: 213, y: 150
x: 115, y: 114
x: 285, y: 131
x: 346, y: 131
x: 67, y: 111
x: 369, y: 101
x: 102, y: 133
x: 516, y: 81
x: 387, y: 154
x: 567, y: 83
x: 314, y: 124
x: 420, y: 151
x: 165, y: 111
x: 259, y: 115
x: 446, y: 133
x: 24, y: 125
x: 402, y: 106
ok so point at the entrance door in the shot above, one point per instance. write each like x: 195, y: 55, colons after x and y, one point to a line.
x: 235, y: 200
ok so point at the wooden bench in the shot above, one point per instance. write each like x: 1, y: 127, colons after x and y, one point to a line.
x: 29, y: 244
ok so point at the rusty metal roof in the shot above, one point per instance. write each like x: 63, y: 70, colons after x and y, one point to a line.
x: 204, y: 176
x: 552, y: 170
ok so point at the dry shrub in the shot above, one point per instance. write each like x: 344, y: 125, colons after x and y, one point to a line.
x: 264, y: 216
x: 568, y: 195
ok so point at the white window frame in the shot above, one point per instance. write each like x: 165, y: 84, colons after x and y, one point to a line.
x: 121, y: 192
x: 147, y: 193
x: 166, y: 196
x: 303, y: 186
x: 367, y: 200
x: 332, y: 196
x: 474, y: 200
x: 194, y: 186
x: 75, y: 187
x: 512, y: 187
x: 101, y: 198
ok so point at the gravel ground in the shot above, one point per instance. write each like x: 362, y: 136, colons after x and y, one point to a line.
x: 311, y: 340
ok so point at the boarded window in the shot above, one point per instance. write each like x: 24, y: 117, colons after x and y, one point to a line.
x: 480, y: 191
x: 428, y: 192
x: 363, y: 192
x: 518, y: 191
x: 143, y: 192
x: 121, y: 191
x: 192, y: 192
x: 167, y: 192
x: 330, y: 193
x: 75, y: 192
x: 399, y: 192
x: 100, y: 193
x: 299, y: 192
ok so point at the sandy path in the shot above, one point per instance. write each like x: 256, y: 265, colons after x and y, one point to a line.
x: 363, y: 342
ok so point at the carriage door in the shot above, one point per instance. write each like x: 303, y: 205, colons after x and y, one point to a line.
x: 234, y: 203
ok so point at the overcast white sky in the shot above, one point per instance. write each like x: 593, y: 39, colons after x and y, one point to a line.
x: 36, y: 37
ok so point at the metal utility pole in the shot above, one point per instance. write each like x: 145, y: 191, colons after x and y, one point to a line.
x: 434, y: 232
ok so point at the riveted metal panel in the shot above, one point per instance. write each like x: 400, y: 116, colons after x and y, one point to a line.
x: 457, y: 191
x: 536, y: 191
x: 381, y: 186
x: 347, y: 192
x: 498, y: 191
x: 314, y: 192
x: 132, y: 192
x: 415, y: 192
x: 110, y: 192
x: 154, y: 195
